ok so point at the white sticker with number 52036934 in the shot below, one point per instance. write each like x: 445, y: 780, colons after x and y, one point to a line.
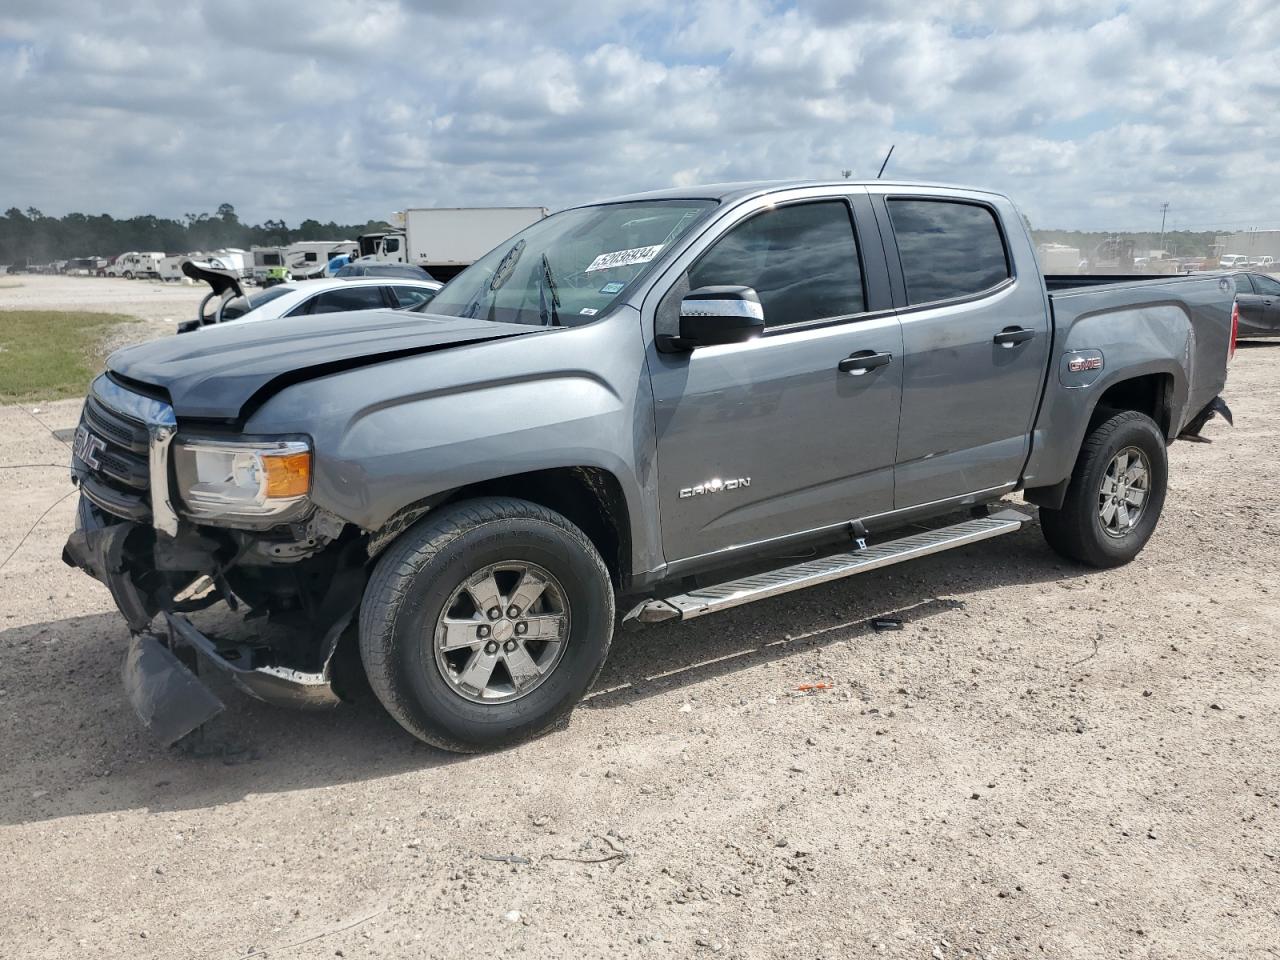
x: 624, y: 258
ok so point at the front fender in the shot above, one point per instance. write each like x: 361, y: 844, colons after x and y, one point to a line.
x: 398, y: 433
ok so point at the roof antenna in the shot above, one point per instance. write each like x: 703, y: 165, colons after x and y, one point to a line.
x: 886, y: 160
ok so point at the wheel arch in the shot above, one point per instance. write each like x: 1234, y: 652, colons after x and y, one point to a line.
x: 589, y: 497
x: 1156, y: 390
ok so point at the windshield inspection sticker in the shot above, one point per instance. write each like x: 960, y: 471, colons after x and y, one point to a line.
x: 612, y: 287
x: 623, y: 258
x: 588, y: 311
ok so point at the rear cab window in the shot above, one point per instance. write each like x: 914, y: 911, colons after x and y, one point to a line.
x: 949, y: 249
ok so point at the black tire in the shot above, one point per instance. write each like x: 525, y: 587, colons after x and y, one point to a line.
x: 128, y: 274
x: 1077, y: 530
x: 417, y: 576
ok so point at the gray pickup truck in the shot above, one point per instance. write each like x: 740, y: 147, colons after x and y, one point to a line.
x: 635, y: 410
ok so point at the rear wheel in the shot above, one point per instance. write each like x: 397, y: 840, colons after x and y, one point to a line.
x: 1116, y: 493
x: 485, y: 623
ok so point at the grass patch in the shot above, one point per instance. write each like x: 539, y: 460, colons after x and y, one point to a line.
x: 50, y: 354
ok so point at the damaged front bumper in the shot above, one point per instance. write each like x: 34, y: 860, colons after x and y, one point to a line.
x: 162, y: 664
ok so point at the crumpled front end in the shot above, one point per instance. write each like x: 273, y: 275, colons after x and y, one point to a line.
x: 267, y: 606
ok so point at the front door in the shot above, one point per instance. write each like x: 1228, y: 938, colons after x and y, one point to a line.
x: 975, y: 348
x: 760, y: 440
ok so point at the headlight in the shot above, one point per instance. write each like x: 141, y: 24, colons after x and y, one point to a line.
x: 248, y: 481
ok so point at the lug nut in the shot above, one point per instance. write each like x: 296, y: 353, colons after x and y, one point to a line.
x: 509, y: 646
x: 491, y: 647
x: 495, y: 613
x: 513, y: 612
x: 522, y: 627
x: 482, y: 631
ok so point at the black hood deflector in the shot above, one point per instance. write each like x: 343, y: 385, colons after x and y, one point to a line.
x: 226, y: 371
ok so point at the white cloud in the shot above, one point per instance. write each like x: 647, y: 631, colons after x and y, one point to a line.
x: 1088, y: 113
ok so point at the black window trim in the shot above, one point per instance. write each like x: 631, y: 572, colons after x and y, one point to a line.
x: 896, y: 259
x: 818, y: 322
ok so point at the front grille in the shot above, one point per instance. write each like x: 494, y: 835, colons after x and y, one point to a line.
x: 111, y: 461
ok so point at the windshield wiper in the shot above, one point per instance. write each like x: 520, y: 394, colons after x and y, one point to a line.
x: 548, y: 282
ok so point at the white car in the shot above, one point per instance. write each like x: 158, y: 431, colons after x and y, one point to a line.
x: 1234, y: 261
x: 228, y: 301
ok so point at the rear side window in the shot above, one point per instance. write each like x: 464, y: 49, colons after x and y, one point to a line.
x: 802, y: 260
x: 1242, y: 283
x: 947, y: 249
x: 1266, y: 286
x: 349, y: 298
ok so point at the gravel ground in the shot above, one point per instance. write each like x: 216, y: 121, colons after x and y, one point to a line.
x: 1046, y: 761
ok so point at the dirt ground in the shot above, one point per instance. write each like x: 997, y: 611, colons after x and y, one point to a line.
x: 1046, y: 761
x: 159, y: 306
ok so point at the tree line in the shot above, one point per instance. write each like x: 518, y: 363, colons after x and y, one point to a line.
x: 28, y: 236
x: 31, y: 237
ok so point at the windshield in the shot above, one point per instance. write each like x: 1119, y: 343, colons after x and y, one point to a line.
x: 566, y: 269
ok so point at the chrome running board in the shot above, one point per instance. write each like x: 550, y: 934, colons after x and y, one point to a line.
x: 759, y: 586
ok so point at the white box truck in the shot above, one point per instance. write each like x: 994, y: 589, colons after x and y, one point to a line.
x: 444, y: 240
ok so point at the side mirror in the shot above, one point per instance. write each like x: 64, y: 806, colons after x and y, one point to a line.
x: 710, y: 316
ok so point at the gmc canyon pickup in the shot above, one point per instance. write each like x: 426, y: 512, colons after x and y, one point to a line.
x: 631, y: 410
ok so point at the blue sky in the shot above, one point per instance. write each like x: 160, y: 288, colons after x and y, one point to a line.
x: 1090, y: 114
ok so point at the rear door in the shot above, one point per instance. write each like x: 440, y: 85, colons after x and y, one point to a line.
x: 1259, y: 300
x: 975, y: 338
x: 762, y: 440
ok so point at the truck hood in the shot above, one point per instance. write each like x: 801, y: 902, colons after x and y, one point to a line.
x: 222, y: 372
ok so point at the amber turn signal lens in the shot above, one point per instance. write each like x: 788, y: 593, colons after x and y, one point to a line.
x: 288, y: 475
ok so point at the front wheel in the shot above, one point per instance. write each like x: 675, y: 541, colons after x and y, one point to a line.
x: 1116, y: 493
x: 485, y: 623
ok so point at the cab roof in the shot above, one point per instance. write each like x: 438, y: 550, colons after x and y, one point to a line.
x: 746, y: 189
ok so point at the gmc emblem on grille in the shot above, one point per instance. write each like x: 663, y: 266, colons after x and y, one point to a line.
x: 87, y: 446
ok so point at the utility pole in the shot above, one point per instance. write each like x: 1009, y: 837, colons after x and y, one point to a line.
x: 1164, y: 211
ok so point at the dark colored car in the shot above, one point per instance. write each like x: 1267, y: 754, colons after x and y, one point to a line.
x: 409, y: 271
x: 1258, y: 299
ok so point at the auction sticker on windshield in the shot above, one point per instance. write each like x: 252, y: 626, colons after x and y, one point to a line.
x: 623, y: 258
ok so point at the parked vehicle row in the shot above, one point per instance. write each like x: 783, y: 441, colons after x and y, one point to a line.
x: 229, y: 300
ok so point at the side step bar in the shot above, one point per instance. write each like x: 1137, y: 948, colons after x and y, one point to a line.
x: 722, y: 596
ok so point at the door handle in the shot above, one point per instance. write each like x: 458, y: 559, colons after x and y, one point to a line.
x: 862, y: 361
x: 1010, y: 336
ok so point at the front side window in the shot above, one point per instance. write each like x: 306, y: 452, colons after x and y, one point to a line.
x: 345, y: 298
x: 1266, y: 286
x: 392, y: 244
x: 565, y: 270
x: 802, y: 260
x: 947, y: 249
x: 1242, y: 283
